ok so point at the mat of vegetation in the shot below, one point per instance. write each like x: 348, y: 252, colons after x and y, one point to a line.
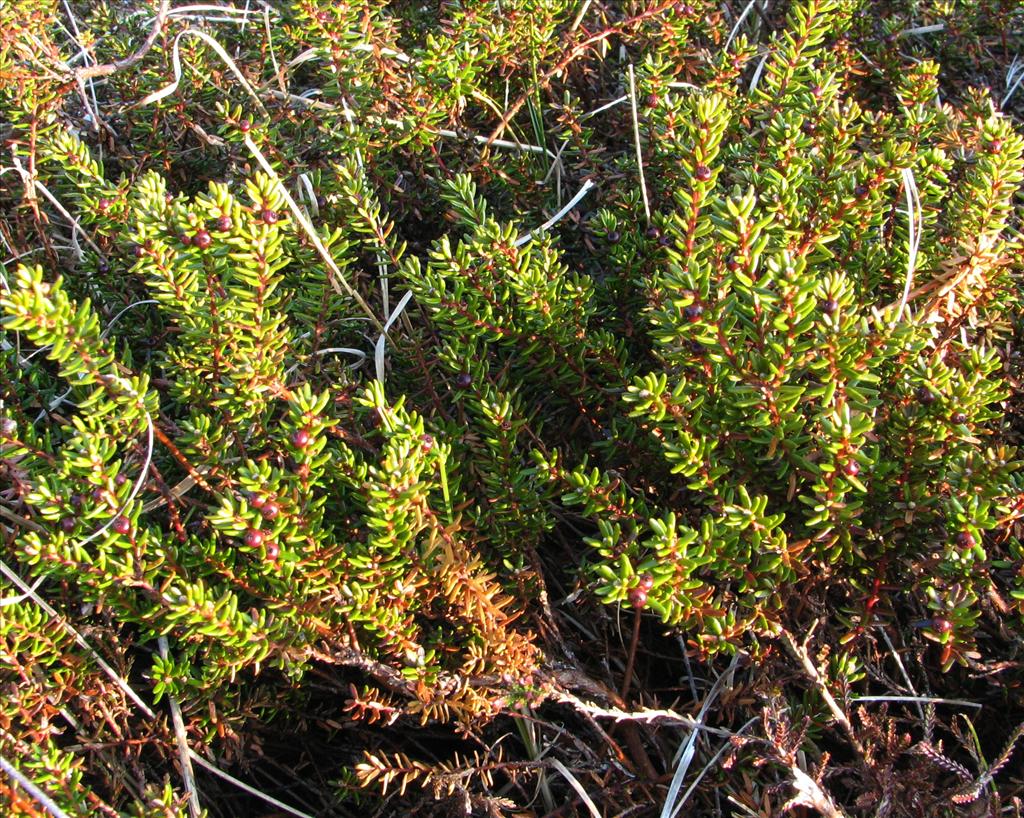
x: 512, y: 408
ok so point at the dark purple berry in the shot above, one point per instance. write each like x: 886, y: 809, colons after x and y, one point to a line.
x: 139, y: 251
x: 860, y: 191
x: 67, y: 524
x: 202, y: 239
x: 732, y: 264
x: 965, y: 539
x: 702, y: 173
x: 270, y: 511
x: 653, y: 233
x: 245, y: 126
x: 77, y: 500
x: 645, y: 581
x: 995, y: 146
x: 120, y: 479
x: 8, y: 427
x: 273, y: 551
x: 254, y: 538
x: 464, y: 380
x: 637, y: 597
x: 925, y: 396
x: 269, y: 216
x: 693, y: 312
x: 103, y: 268
x: 958, y: 417
x: 829, y: 306
x: 224, y: 223
x: 103, y: 205
x: 614, y: 236
x: 257, y: 500
x: 122, y: 525
x: 941, y: 625
x: 427, y: 442
x: 184, y: 239
x: 851, y: 468
x: 301, y: 438
x: 651, y: 100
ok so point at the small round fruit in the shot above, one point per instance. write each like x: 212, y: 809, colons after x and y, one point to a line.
x: 645, y: 581
x: 860, y: 191
x: 269, y: 216
x: 427, y: 442
x: 184, y: 239
x: 273, y: 551
x: 829, y: 306
x: 301, y: 438
x: 464, y: 380
x: 702, y: 173
x: 138, y: 251
x: 693, y: 312
x: 653, y: 233
x: 103, y: 205
x: 103, y: 268
x: 637, y: 597
x: 614, y: 236
x: 651, y: 100
x: 817, y: 91
x: 965, y: 539
x: 732, y: 264
x: 245, y: 126
x: 995, y: 146
x: 202, y: 239
x: 254, y: 538
x: 941, y: 625
x: 77, y: 500
x: 958, y: 417
x: 270, y: 511
x: 224, y: 223
x: 122, y: 525
x: 67, y: 524
x: 8, y: 427
x: 925, y: 396
x: 851, y: 468
x: 257, y: 500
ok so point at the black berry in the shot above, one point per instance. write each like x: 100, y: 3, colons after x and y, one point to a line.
x: 67, y: 524
x: 202, y: 239
x: 245, y: 126
x: 427, y: 442
x: 103, y: 205
x: 925, y: 396
x: 257, y: 500
x: 637, y: 597
x: 693, y: 312
x: 860, y: 191
x: 254, y: 538
x: 653, y: 233
x: 301, y: 438
x: 851, y: 468
x: 829, y: 306
x: 965, y: 539
x: 269, y: 216
x: 645, y: 581
x: 273, y: 551
x: 942, y: 625
x: 464, y: 380
x: 122, y: 525
x: 184, y: 239
x: 139, y: 251
x: 651, y: 100
x: 702, y: 173
x: 614, y: 236
x: 270, y: 511
x: 224, y: 223
x: 103, y: 267
x: 958, y: 417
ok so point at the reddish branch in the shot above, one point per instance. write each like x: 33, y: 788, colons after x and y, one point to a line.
x: 105, y: 70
